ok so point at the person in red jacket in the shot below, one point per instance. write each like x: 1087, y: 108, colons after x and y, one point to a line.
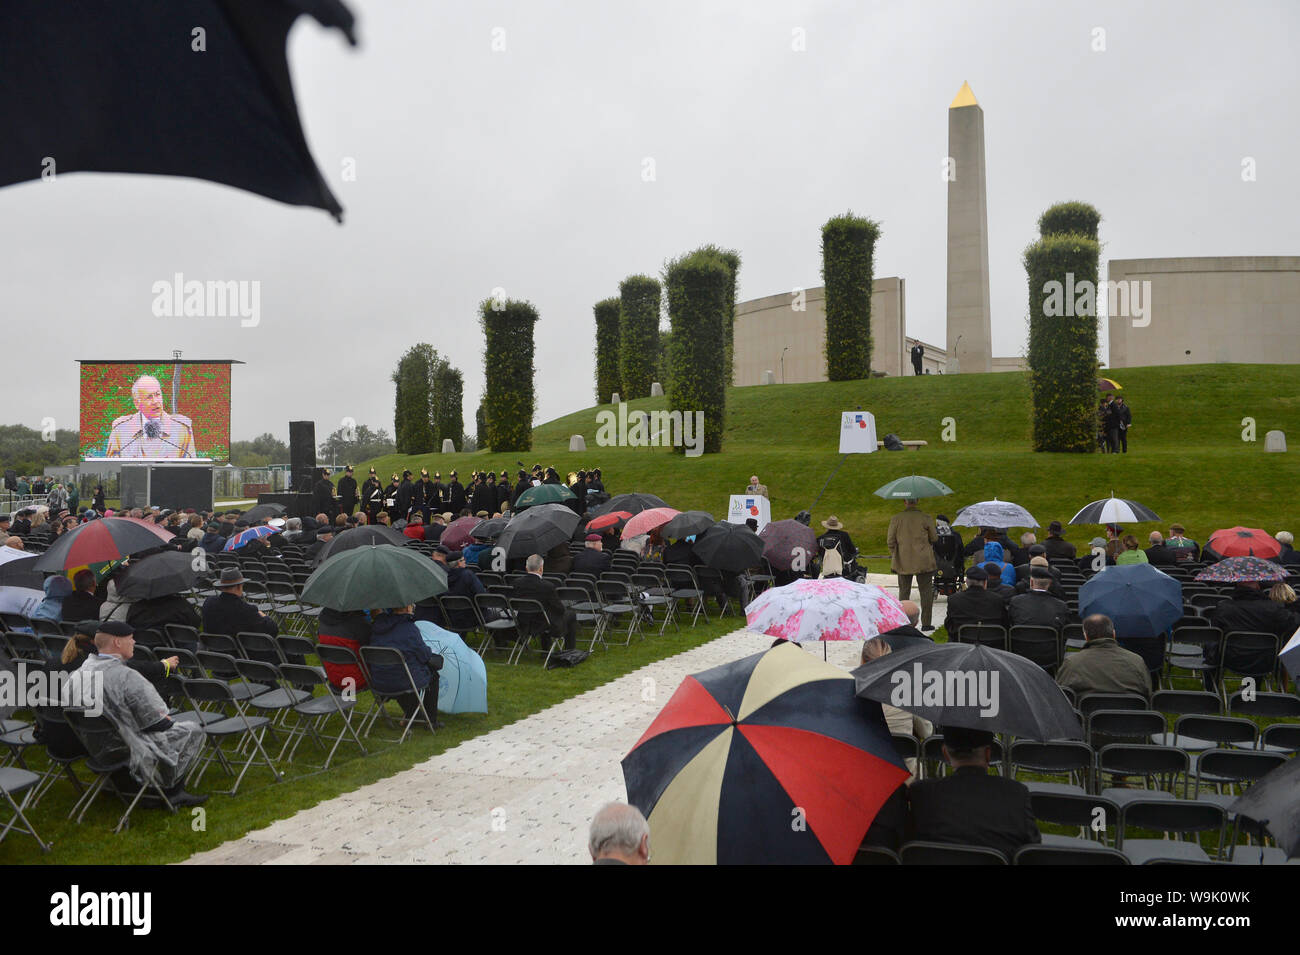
x: 415, y: 527
x: 350, y: 629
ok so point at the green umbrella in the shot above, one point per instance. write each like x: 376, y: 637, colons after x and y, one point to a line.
x: 545, y: 494
x: 915, y: 486
x: 374, y: 576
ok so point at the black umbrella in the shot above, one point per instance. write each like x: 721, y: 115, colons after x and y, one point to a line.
x: 1274, y: 803
x: 687, y: 523
x: 136, y: 90
x: 490, y: 530
x: 157, y: 575
x: 978, y: 687
x: 632, y: 503
x: 357, y: 536
x: 727, y: 546
x: 263, y: 512
x: 22, y: 573
x: 537, y: 530
x: 784, y: 541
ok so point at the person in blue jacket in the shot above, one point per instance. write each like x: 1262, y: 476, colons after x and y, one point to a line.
x: 396, y: 628
x: 993, y: 555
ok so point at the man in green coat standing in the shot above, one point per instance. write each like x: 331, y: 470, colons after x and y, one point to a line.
x: 911, y: 549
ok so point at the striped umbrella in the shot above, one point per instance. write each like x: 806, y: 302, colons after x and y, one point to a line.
x: 648, y: 520
x: 767, y: 759
x: 1244, y: 542
x: 102, y: 541
x: 1233, y: 570
x: 830, y: 609
x: 1114, y: 510
x: 250, y: 534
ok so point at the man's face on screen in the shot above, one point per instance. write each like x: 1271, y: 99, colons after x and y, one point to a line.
x: 148, y: 397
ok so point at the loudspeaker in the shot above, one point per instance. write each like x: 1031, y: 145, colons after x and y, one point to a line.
x: 295, y: 505
x: 11, y: 480
x: 302, y: 454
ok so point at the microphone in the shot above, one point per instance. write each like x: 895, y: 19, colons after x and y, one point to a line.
x: 152, y: 429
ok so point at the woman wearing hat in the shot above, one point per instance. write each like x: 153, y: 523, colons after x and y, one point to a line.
x: 836, y: 536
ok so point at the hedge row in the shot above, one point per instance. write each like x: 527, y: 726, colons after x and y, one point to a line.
x: 697, y: 286
x: 607, y: 350
x: 412, y: 422
x: 848, y: 249
x: 638, y: 348
x: 446, y: 405
x: 508, y: 399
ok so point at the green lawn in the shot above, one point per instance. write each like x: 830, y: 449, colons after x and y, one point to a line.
x: 156, y: 837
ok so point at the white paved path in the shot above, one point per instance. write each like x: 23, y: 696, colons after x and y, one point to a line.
x: 522, y: 794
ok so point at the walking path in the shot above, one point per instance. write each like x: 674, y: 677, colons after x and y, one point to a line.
x: 522, y: 794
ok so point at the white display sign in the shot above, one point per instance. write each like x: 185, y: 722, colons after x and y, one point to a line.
x: 857, y: 432
x: 745, y: 506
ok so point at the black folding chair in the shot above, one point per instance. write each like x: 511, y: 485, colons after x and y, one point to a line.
x: 108, y: 756
x: 314, y: 713
x: 942, y: 853
x: 245, y: 730
x: 19, y: 782
x: 395, y: 664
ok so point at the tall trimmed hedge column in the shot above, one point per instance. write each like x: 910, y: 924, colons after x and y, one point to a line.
x: 1063, y: 268
x: 607, y: 350
x: 508, y: 400
x: 697, y: 286
x: 848, y: 250
x: 638, y: 348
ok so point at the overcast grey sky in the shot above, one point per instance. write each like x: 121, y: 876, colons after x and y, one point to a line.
x: 523, y: 169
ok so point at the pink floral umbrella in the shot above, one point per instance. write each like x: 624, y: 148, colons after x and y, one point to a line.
x: 830, y: 609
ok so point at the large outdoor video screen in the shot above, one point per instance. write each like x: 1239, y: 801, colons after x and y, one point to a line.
x: 155, y: 410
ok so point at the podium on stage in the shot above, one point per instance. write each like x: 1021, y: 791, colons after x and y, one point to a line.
x: 745, y: 506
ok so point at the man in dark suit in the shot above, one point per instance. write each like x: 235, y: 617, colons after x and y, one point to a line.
x: 593, y: 559
x: 323, y: 495
x: 1057, y: 546
x: 1158, y: 554
x: 971, y: 807
x: 562, y: 622
x: 1038, y: 608
x: 348, y: 491
x: 975, y: 604
x: 405, y: 495
x: 229, y: 613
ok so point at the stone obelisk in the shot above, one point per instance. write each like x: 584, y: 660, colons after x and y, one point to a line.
x: 970, y: 343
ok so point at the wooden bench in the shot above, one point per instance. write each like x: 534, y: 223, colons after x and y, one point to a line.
x: 914, y: 445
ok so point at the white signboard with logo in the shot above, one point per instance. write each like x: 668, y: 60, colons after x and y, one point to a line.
x: 745, y: 506
x: 857, y: 432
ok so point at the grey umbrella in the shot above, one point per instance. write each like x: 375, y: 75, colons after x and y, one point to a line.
x: 978, y: 687
x: 687, y: 523
x: 538, y: 529
x: 1274, y: 802
x: 994, y: 513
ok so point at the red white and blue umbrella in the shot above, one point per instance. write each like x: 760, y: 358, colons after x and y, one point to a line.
x: 829, y: 609
x: 253, y: 533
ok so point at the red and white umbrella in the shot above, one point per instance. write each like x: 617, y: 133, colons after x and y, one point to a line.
x: 829, y: 609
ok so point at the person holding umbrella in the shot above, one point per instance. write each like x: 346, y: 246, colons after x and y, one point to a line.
x: 912, y: 536
x: 619, y: 835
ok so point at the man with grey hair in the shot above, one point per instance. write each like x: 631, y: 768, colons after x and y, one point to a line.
x: 1289, y: 556
x: 561, y: 623
x: 619, y: 835
x: 1158, y: 553
x: 1103, y: 666
x: 150, y: 432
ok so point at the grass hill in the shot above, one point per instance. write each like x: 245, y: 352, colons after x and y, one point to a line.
x: 1186, y: 459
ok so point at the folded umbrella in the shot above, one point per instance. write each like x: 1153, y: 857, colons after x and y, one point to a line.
x: 544, y: 494
x: 1273, y: 802
x: 374, y: 577
x: 648, y: 520
x: 729, y: 547
x: 361, y: 536
x: 157, y: 575
x: 102, y: 541
x: 460, y: 532
x: 745, y: 750
x: 913, y: 487
x: 788, y: 542
x: 994, y: 513
x: 1235, y: 570
x: 537, y: 530
x: 1114, y: 510
x: 1244, y: 542
x: 830, y: 609
x: 1140, y: 600
x: 462, y: 681
x: 632, y: 503
x: 971, y: 685
x: 687, y: 523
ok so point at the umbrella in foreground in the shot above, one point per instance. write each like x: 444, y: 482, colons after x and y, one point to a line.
x: 537, y: 530
x: 913, y: 487
x: 1139, y: 599
x: 95, y: 542
x: 788, y: 542
x: 743, y: 750
x: 830, y: 609
x: 1290, y: 655
x: 249, y: 534
x: 157, y: 575
x: 460, y: 532
x: 1244, y: 542
x: 1235, y: 570
x: 730, y: 547
x: 263, y: 512
x: 1114, y: 510
x: 374, y: 576
x: 544, y: 494
x: 132, y: 97
x: 632, y: 503
x: 648, y: 520
x: 613, y: 519
x: 978, y: 687
x: 358, y: 537
x: 1274, y: 802
x: 20, y: 569
x: 687, y: 523
x: 994, y: 513
x: 462, y: 681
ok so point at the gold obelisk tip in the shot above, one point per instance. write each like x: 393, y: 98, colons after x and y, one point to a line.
x: 964, y: 97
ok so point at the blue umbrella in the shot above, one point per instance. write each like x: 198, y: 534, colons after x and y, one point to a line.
x: 462, y: 681
x: 1138, y: 598
x: 253, y: 533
